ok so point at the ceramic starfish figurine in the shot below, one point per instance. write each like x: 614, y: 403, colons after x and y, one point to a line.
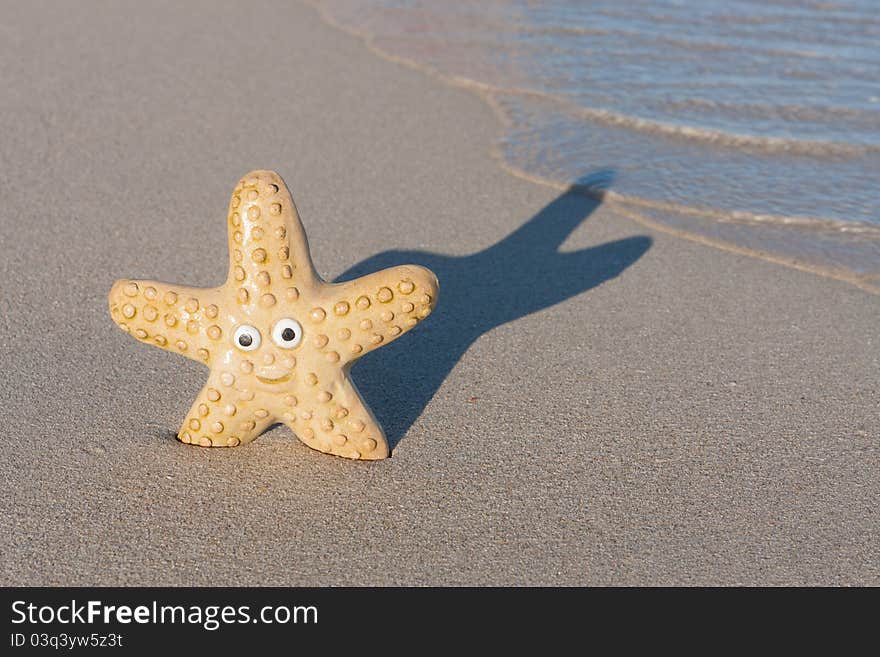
x: 279, y: 341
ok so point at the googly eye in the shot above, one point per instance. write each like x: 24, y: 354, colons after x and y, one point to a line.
x: 246, y: 337
x: 287, y: 333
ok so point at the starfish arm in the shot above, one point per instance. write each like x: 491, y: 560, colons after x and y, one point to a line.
x: 177, y: 318
x: 332, y: 417
x: 371, y: 311
x: 268, y: 249
x: 224, y: 416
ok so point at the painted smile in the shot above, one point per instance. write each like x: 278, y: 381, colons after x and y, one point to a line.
x: 280, y: 379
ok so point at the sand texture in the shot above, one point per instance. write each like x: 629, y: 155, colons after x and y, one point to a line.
x: 592, y: 401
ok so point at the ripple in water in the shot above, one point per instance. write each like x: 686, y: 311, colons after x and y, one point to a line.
x: 752, y: 122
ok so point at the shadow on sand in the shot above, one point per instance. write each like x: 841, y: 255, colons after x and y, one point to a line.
x: 521, y: 274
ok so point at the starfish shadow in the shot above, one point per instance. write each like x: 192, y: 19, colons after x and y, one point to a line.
x: 520, y: 275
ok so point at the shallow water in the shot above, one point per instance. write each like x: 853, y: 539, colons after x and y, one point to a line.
x: 755, y: 123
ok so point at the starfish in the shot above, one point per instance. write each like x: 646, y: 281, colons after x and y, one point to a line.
x: 279, y: 341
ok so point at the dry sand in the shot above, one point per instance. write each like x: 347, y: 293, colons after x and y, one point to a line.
x: 592, y: 403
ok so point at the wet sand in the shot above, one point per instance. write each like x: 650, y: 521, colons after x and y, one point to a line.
x: 592, y: 402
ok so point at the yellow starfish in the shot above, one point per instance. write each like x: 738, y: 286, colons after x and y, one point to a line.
x: 279, y: 341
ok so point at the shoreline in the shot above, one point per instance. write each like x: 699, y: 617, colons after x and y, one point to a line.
x: 592, y: 402
x: 635, y: 208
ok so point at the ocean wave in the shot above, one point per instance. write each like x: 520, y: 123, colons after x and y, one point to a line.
x: 561, y: 30
x: 676, y: 167
x: 744, y: 217
x: 791, y: 112
x: 718, y: 138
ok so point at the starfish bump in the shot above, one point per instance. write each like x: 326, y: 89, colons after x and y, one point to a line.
x: 278, y: 340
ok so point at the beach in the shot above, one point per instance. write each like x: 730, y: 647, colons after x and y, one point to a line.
x: 594, y: 401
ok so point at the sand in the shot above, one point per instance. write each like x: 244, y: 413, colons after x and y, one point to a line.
x: 593, y: 402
